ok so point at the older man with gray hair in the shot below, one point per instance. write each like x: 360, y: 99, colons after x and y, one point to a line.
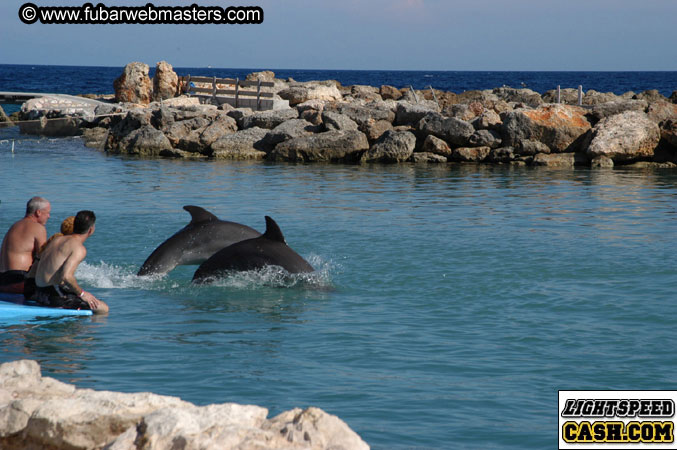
x: 22, y: 244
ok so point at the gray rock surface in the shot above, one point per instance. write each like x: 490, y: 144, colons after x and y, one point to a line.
x: 436, y: 146
x: 427, y: 158
x: 623, y: 137
x: 244, y: 144
x: 334, y: 121
x: 391, y: 147
x: 288, y: 130
x: 336, y: 146
x: 268, y: 119
x: 559, y: 159
x: 603, y: 110
x: 454, y: 131
x: 411, y: 113
x: 470, y: 154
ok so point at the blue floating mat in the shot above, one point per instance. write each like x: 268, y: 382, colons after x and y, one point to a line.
x: 12, y: 307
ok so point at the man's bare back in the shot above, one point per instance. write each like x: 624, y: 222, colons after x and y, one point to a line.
x: 55, y: 273
x: 59, y: 260
x: 21, y: 243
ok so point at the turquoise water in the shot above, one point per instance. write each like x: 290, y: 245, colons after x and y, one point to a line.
x: 450, y: 304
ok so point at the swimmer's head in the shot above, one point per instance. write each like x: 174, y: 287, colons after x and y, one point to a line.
x: 67, y: 225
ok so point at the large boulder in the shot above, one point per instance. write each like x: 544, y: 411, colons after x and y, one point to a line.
x: 364, y: 115
x: 602, y: 110
x: 268, y: 119
x: 436, y: 146
x: 662, y: 111
x: 623, y: 137
x: 470, y: 154
x: 39, y: 412
x: 288, y: 130
x: 338, y: 146
x: 333, y: 120
x: 392, y: 93
x: 165, y: 82
x: 134, y: 86
x: 560, y: 127
x: 411, y: 113
x: 245, y: 144
x: 367, y: 93
x: 454, y: 131
x: 669, y: 133
x: 302, y: 93
x: 145, y: 141
x: 485, y: 138
x: 392, y: 147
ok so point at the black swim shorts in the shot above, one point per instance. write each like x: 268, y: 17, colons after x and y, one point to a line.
x: 59, y: 297
x: 12, y: 277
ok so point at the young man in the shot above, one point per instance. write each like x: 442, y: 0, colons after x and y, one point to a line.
x: 22, y: 243
x: 55, y: 275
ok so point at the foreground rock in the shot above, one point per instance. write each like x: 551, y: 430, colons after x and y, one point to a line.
x: 41, y: 412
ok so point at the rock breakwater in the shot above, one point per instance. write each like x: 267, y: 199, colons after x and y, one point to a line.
x: 39, y: 412
x: 325, y: 121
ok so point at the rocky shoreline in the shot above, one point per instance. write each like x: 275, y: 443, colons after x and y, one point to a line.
x: 323, y: 121
x: 39, y: 412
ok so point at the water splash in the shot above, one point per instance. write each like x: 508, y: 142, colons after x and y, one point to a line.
x: 275, y: 276
x: 108, y: 276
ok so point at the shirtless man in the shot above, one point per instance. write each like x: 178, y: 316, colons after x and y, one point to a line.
x: 55, y: 275
x: 22, y: 243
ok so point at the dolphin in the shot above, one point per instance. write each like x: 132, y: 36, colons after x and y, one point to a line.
x: 196, y: 242
x: 269, y: 249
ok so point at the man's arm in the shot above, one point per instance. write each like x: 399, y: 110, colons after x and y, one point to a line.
x: 67, y: 270
x: 40, y: 233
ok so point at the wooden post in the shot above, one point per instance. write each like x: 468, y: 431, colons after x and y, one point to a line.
x: 559, y: 94
x: 580, y: 95
x: 214, y: 101
x: 434, y: 96
x: 237, y: 92
x: 258, y: 96
x: 411, y: 88
x: 187, y: 87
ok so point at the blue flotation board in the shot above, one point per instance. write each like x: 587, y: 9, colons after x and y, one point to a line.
x: 14, y: 306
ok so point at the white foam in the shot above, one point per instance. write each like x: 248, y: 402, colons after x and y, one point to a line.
x: 107, y: 276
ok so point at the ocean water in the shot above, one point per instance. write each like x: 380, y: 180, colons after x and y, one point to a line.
x: 449, y: 306
x: 99, y: 80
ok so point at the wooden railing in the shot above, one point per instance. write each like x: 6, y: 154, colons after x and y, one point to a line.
x: 235, y: 96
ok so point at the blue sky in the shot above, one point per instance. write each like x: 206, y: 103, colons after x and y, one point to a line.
x: 369, y: 34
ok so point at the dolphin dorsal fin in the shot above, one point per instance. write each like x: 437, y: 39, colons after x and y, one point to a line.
x: 273, y: 232
x: 198, y: 214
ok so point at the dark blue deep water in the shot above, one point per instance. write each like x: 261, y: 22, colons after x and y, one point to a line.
x: 99, y: 80
x: 450, y: 303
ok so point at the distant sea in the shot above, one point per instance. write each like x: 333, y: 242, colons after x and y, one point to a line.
x: 99, y: 80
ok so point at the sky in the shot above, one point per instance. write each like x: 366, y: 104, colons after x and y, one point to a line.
x: 489, y: 35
